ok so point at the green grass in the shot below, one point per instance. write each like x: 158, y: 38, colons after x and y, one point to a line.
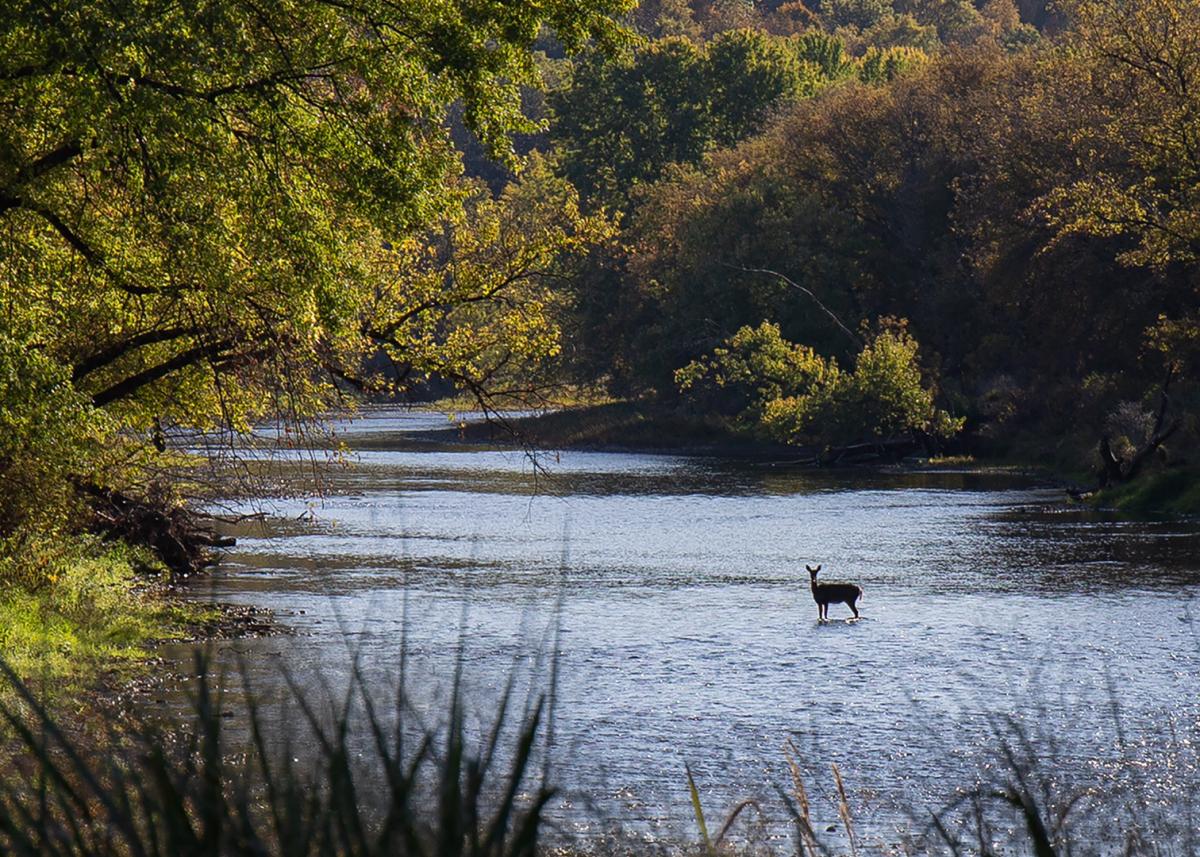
x: 88, y: 611
x: 1173, y: 492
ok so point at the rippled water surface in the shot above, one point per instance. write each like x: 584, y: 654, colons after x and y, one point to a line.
x: 688, y: 633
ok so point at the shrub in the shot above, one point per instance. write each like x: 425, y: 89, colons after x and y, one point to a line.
x: 790, y: 393
x: 49, y: 434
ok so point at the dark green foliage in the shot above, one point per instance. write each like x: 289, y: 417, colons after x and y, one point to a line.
x: 623, y: 121
x: 856, y: 13
x: 959, y: 195
x: 48, y: 433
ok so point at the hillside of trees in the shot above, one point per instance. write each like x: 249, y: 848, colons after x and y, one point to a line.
x: 1016, y: 188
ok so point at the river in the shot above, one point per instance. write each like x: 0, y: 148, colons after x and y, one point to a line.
x: 687, y: 632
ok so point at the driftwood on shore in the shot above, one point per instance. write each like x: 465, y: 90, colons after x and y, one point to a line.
x: 173, y: 532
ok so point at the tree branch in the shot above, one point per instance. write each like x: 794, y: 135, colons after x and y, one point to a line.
x: 133, y: 383
x: 115, y: 352
x: 83, y: 248
x: 64, y: 153
x: 833, y: 317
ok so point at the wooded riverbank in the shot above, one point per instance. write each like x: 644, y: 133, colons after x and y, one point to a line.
x: 657, y: 428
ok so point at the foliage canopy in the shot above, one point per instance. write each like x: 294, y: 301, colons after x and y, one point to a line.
x: 208, y: 211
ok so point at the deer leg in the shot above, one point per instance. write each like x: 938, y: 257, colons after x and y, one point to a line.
x: 852, y: 607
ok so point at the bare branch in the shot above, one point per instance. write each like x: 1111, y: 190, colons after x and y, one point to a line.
x: 833, y: 317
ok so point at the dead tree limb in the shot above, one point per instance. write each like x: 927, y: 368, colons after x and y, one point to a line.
x: 1113, y: 469
x: 832, y: 315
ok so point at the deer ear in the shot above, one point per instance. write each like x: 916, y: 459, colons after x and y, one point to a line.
x: 818, y: 568
x: 812, y: 570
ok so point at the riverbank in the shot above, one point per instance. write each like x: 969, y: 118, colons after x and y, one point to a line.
x: 643, y: 427
x: 624, y: 426
x: 88, y: 610
x: 646, y: 427
x: 93, y: 619
x: 1175, y: 491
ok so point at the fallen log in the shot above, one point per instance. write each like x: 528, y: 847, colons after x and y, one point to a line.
x: 172, y: 532
x: 890, y: 449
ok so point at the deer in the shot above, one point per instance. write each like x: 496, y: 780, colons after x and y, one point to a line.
x: 832, y: 593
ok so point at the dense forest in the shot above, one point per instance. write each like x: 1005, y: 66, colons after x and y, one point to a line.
x: 999, y: 198
x: 972, y: 226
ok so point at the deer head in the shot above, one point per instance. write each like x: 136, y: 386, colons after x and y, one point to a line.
x: 813, y: 571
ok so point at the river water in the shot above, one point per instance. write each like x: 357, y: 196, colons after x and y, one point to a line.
x: 687, y: 632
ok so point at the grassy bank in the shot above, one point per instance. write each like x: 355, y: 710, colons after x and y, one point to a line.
x: 82, y: 609
x: 1175, y: 491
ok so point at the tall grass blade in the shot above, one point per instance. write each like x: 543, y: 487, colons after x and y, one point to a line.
x: 844, y: 809
x: 733, y: 816
x: 807, y: 837
x: 1034, y: 825
x: 697, y: 810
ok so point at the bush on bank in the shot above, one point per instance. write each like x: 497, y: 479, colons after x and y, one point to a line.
x: 70, y: 608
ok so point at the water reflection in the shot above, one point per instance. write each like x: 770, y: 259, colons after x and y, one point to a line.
x: 687, y: 629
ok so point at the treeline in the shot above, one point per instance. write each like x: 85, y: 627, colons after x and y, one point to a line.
x: 1025, y: 204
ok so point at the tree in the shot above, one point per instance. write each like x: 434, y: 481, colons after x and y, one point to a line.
x: 1142, y: 59
x: 660, y: 19
x: 753, y: 368
x: 194, y: 198
x: 479, y: 300
x: 622, y: 122
x: 848, y: 194
x: 747, y: 75
x: 885, y: 65
x: 861, y: 14
x: 791, y: 394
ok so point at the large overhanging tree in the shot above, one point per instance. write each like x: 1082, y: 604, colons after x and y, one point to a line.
x: 207, y: 209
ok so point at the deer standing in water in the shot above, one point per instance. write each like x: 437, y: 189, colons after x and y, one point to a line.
x: 832, y: 593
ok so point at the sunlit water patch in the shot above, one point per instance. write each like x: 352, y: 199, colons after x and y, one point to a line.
x: 687, y: 633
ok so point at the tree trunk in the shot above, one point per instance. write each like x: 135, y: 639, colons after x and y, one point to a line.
x: 1113, y: 470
